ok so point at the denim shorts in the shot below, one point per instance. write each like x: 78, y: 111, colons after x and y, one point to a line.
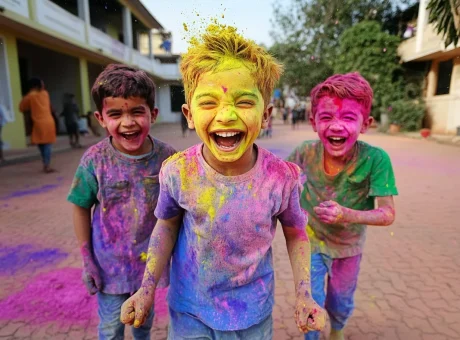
x: 187, y: 326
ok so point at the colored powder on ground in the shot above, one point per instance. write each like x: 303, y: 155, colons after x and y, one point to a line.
x: 21, y: 193
x: 59, y: 297
x: 28, y: 257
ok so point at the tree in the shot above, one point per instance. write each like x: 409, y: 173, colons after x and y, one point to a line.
x: 445, y: 15
x: 367, y: 49
x: 306, y: 34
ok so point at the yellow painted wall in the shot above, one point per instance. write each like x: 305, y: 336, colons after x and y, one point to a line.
x: 84, y: 93
x: 14, y: 133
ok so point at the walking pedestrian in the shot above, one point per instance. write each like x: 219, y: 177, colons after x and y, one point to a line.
x: 37, y: 101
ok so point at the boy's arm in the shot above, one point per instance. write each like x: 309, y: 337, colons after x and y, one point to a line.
x: 164, y: 236
x: 309, y: 316
x: 331, y: 212
x: 82, y: 227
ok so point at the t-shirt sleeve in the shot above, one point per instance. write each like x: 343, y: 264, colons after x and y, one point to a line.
x: 293, y: 215
x: 83, y: 191
x: 167, y: 206
x: 382, y: 179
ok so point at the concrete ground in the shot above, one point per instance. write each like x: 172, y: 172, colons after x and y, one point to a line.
x: 409, y: 285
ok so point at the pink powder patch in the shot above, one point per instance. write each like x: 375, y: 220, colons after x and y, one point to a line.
x: 338, y: 102
x: 57, y: 296
x: 224, y: 89
x: 161, y: 306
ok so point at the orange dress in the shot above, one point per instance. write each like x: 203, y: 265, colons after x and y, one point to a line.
x: 44, y: 128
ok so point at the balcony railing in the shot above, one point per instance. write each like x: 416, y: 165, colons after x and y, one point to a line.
x: 57, y: 19
x: 411, y: 49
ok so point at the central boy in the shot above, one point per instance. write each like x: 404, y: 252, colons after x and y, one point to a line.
x: 220, y: 201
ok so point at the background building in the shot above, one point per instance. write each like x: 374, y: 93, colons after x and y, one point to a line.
x: 67, y: 43
x: 442, y: 83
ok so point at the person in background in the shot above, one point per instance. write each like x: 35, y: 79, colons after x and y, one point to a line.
x: 37, y: 101
x: 71, y: 114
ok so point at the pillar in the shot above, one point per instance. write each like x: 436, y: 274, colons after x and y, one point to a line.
x: 422, y: 20
x: 127, y: 27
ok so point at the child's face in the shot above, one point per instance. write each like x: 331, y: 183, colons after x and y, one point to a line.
x: 227, y: 111
x: 128, y: 121
x: 338, y: 123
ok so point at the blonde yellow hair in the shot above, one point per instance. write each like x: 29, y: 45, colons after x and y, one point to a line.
x: 221, y: 44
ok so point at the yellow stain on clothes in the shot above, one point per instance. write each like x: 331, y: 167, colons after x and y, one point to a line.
x: 104, y: 209
x: 143, y: 257
x: 392, y: 233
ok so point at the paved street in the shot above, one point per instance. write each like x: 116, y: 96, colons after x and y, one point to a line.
x: 409, y: 285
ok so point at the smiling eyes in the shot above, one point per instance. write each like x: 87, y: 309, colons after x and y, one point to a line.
x: 241, y: 103
x: 346, y: 117
x: 117, y: 114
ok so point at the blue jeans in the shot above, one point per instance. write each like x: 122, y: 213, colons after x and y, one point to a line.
x: 341, y: 287
x: 110, y: 327
x: 185, y: 326
x: 45, y: 151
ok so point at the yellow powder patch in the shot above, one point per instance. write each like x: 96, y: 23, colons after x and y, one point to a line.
x: 151, y: 265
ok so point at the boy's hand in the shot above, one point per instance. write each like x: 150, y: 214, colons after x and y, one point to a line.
x: 91, y: 277
x: 309, y: 316
x: 331, y: 212
x: 135, y: 310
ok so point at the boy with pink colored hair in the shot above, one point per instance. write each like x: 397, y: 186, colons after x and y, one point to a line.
x: 345, y: 179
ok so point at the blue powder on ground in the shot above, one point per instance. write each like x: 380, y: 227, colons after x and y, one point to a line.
x: 21, y: 193
x: 28, y: 257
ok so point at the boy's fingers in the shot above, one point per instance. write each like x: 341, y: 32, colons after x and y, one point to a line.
x: 327, y: 204
x: 139, y: 316
x: 127, y: 312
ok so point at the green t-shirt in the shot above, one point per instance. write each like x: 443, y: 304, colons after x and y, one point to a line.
x: 369, y: 174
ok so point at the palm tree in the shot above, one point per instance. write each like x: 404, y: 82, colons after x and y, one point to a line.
x: 445, y: 15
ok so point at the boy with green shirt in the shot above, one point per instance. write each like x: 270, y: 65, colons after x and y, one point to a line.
x: 350, y: 184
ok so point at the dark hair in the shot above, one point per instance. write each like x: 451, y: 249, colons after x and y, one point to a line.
x: 118, y: 80
x: 35, y: 83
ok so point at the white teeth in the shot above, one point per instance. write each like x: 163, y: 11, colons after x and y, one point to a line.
x: 336, y: 138
x: 129, y: 133
x: 226, y: 134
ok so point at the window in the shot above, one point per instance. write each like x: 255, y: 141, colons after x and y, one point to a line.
x: 444, y: 75
x: 177, y: 97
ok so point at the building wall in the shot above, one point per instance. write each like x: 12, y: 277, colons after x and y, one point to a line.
x: 13, y: 134
x: 164, y: 105
x: 444, y: 109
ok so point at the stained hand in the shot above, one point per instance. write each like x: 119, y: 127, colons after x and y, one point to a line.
x: 135, y: 310
x: 91, y: 277
x: 309, y: 316
x: 330, y: 212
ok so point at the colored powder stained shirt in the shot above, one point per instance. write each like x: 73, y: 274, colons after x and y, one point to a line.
x: 222, y: 266
x: 124, y: 192
x: 368, y: 174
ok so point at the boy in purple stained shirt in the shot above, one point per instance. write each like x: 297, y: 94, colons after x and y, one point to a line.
x: 118, y: 179
x: 346, y: 179
x: 220, y: 202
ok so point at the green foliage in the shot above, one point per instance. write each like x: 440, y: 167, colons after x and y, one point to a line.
x: 445, y: 15
x: 306, y: 34
x: 408, y: 114
x: 365, y: 48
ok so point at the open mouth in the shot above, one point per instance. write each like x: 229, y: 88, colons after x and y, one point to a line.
x: 227, y: 140
x: 336, y: 141
x: 130, y: 135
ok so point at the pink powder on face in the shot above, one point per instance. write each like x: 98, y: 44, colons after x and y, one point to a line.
x: 224, y: 89
x: 57, y: 296
x: 338, y: 102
